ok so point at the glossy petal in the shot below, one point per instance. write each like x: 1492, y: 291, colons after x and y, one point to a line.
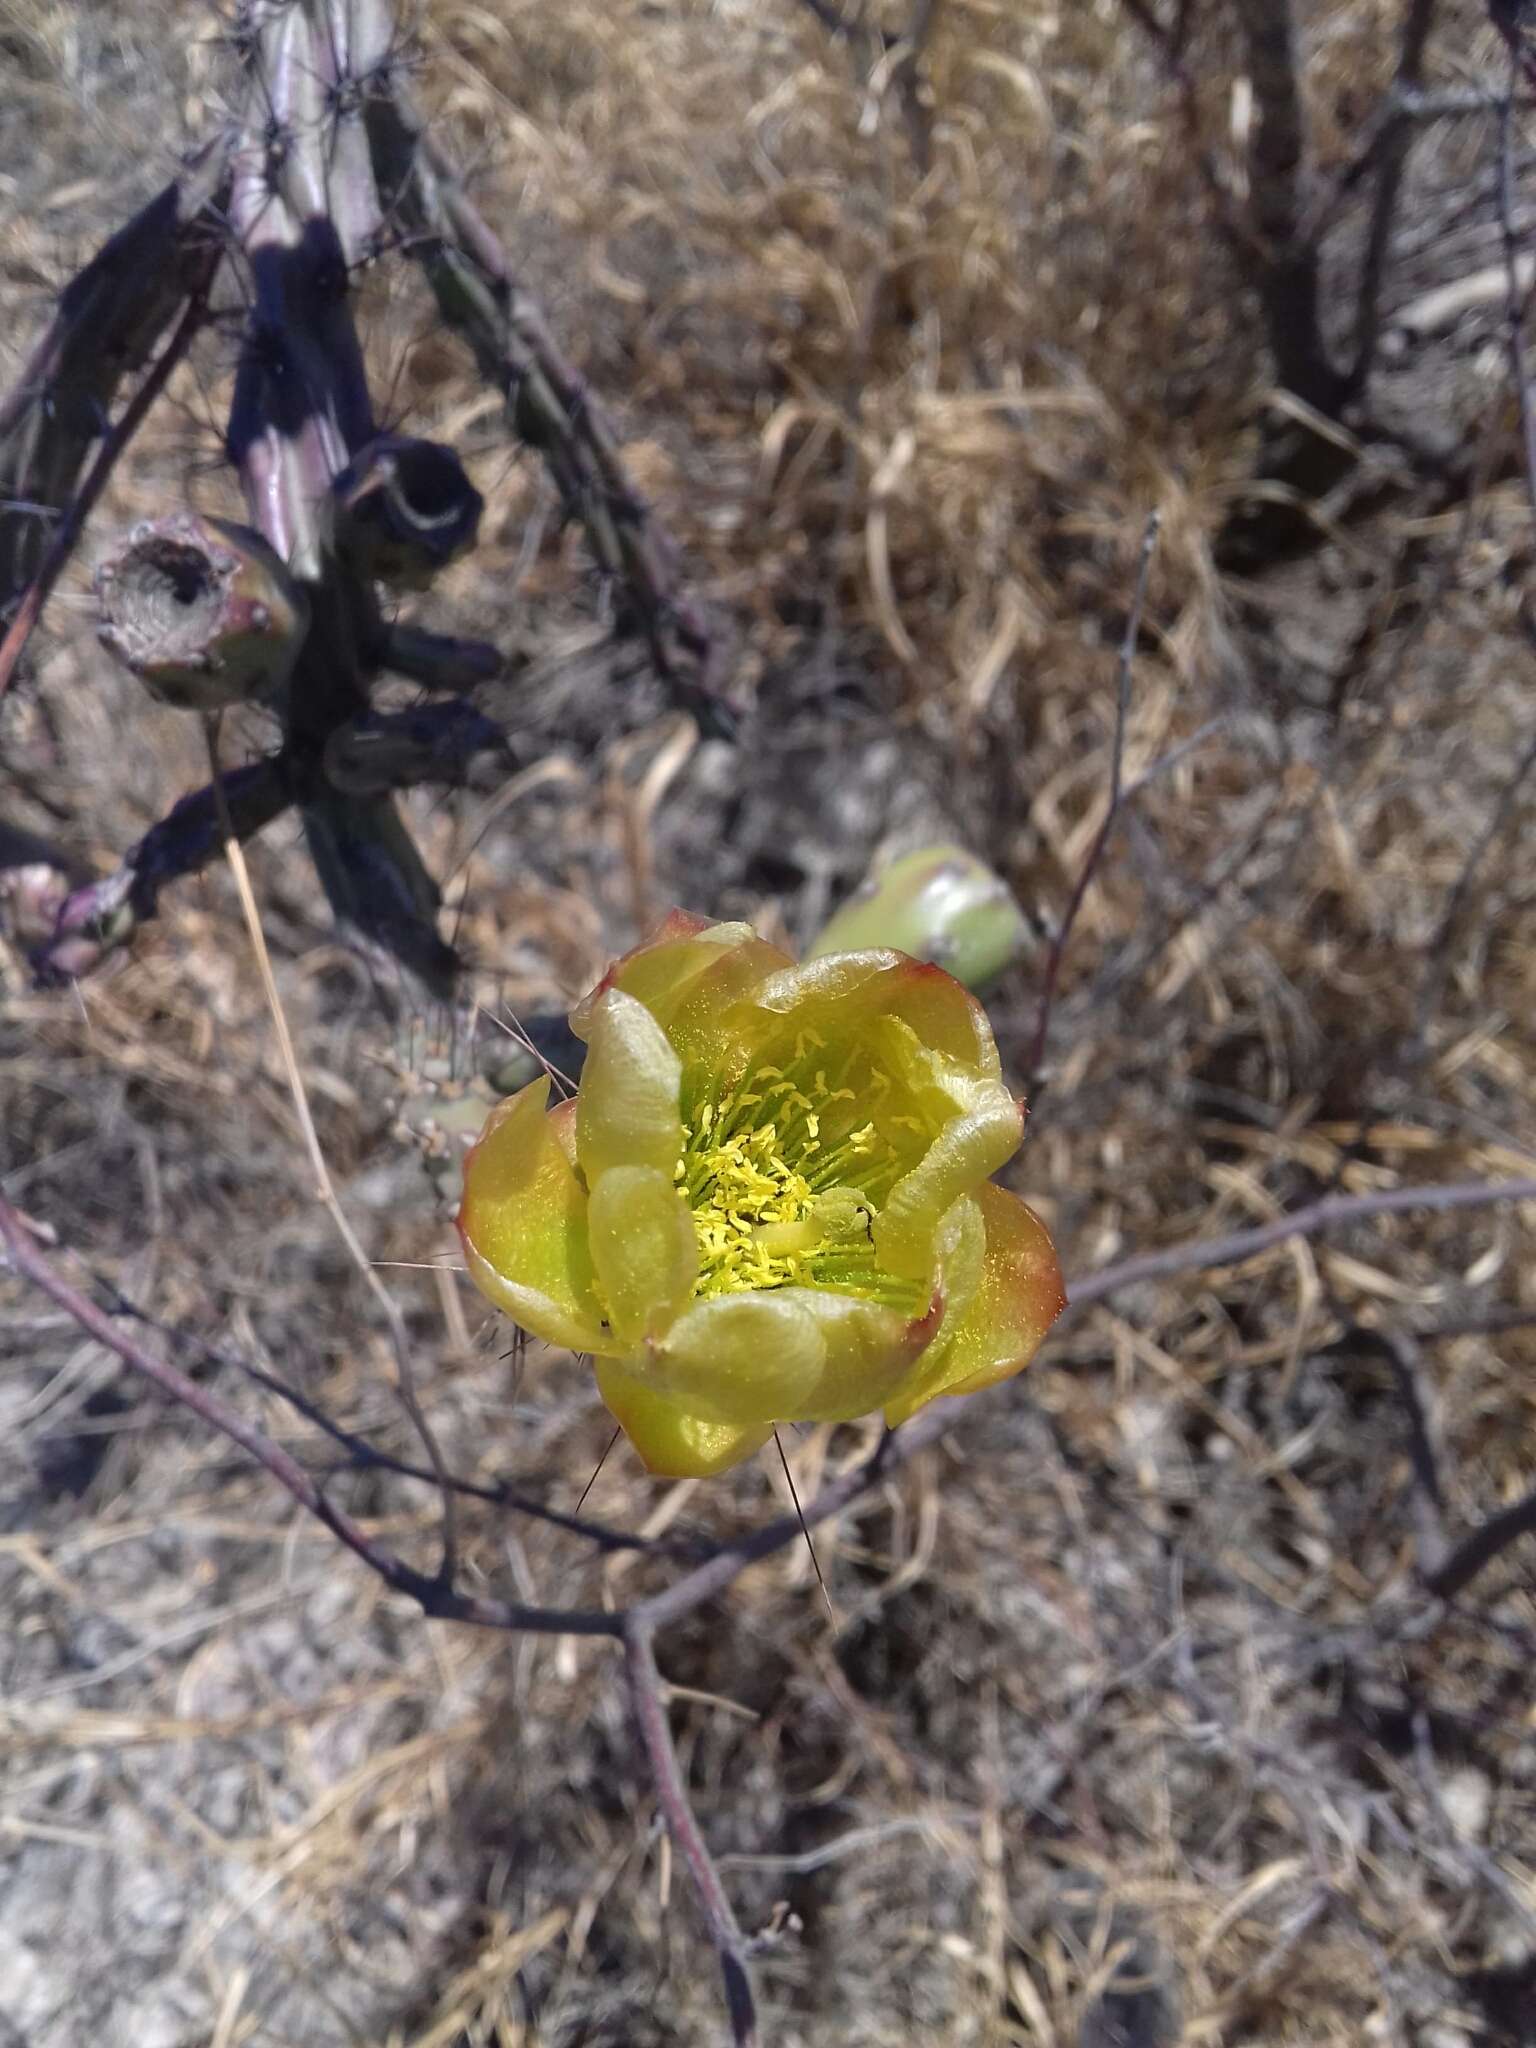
x: 840, y: 994
x: 673, y: 1443
x: 645, y: 1252
x: 656, y: 971
x: 1019, y: 1296
x: 523, y: 1224
x: 870, y: 1350
x: 627, y: 1106
x: 963, y: 1153
x: 746, y: 1359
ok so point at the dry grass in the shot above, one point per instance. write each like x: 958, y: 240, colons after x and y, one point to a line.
x: 1126, y: 1724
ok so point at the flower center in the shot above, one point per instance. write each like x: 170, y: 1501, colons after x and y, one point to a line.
x: 782, y: 1186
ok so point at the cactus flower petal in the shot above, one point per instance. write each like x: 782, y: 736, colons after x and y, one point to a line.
x: 644, y: 1252
x: 673, y: 1443
x: 627, y: 1110
x: 746, y: 1359
x: 524, y: 1223
x: 1019, y: 1295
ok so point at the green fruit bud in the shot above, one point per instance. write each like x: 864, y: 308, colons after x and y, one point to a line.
x: 940, y: 904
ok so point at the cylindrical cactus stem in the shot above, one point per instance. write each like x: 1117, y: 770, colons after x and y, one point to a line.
x: 439, y: 661
x: 355, y: 39
x: 301, y: 401
x: 283, y: 436
x: 383, y: 750
x: 478, y: 295
x: 384, y: 899
x: 403, y: 510
x: 204, y: 612
x: 106, y: 323
x: 940, y: 904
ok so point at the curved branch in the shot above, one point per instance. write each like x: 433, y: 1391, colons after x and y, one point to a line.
x: 441, y: 1602
x: 731, y: 1945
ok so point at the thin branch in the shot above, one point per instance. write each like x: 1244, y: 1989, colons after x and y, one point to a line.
x: 645, y: 1692
x: 1514, y: 329
x: 1058, y: 948
x: 1327, y: 1214
x: 1288, y: 281
x: 1485, y: 1543
x: 441, y: 1602
x: 1401, y: 1353
x: 1396, y: 141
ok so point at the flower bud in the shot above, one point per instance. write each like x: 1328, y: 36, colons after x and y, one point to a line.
x: 93, y: 922
x: 941, y: 905
x: 202, y: 611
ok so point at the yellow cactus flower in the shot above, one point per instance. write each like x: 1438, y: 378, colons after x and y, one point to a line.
x: 769, y: 1199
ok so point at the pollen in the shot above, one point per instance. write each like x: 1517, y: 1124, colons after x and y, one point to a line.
x: 772, y: 1204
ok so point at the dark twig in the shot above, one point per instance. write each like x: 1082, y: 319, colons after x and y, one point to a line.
x: 437, y: 1599
x: 672, y: 1796
x: 638, y: 1625
x: 1051, y: 973
x: 1401, y: 1353
x: 1288, y: 281
x: 1396, y: 141
x: 1514, y: 329
x: 1485, y: 1543
x: 1327, y: 1214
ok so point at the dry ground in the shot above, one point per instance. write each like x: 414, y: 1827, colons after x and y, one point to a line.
x: 1133, y: 1730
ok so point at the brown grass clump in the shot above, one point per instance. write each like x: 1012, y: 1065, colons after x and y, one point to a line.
x: 1134, y: 1728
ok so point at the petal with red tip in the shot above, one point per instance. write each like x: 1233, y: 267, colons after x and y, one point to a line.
x: 524, y: 1227
x: 1019, y: 1296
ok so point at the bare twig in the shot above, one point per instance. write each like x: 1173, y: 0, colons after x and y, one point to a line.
x: 1401, y: 1353
x: 1396, y: 141
x: 1486, y: 1542
x: 1051, y: 973
x: 672, y: 1797
x: 1289, y: 280
x: 440, y: 1601
x: 1326, y: 1214
x: 480, y: 298
x: 1514, y: 329
x: 638, y: 1625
